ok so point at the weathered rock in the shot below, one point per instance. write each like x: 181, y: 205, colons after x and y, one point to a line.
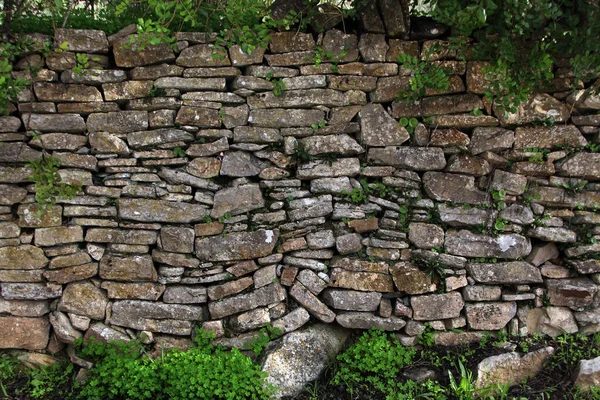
x: 490, y: 316
x: 52, y: 123
x: 284, y: 118
x: 58, y: 235
x: 587, y: 375
x: 128, y: 53
x: 415, y: 158
x: 185, y: 295
x: 138, y: 291
x: 309, y: 301
x: 351, y: 300
x: 237, y: 200
x: 104, y: 142
x: 379, y: 129
x: 511, y: 368
x: 30, y: 291
x: 312, y: 207
x: 145, y: 210
x: 558, y: 235
x: 202, y: 55
x: 82, y: 40
x: 396, y: 17
x: 452, y: 187
x: 410, y: 279
x: 301, y: 357
x: 63, y: 329
x: 542, y: 137
x: 365, y: 320
x: 425, y: 236
x: 127, y: 268
x: 177, y: 177
x: 217, y: 292
x: 538, y: 107
x: 341, y: 144
x: 237, y: 246
x: 118, y: 122
x: 362, y: 281
x: 580, y: 165
x: 24, y: 333
x: 515, y: 272
x: 22, y: 257
x: 65, y: 93
x: 240, y: 164
x: 348, y: 244
x: 204, y: 167
x: 467, y: 244
x: 72, y: 274
x: 104, y: 334
x: 552, y: 321
x: 127, y: 90
x: 83, y: 298
x: 437, y: 306
x: 491, y: 139
x: 261, y: 297
x: 175, y: 319
x: 573, y: 293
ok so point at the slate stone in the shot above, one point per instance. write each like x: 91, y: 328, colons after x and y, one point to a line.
x: 379, y: 129
x: 58, y: 235
x: 362, y: 281
x: 118, y: 122
x: 29, y: 218
x: 82, y: 40
x: 510, y: 273
x: 537, y: 107
x: 72, y: 274
x: 237, y: 246
x: 580, y: 165
x: 30, y: 291
x: 146, y: 210
x: 453, y: 187
x: 237, y: 200
x: 309, y: 301
x: 177, y: 177
x: 240, y: 164
x: 202, y: 55
x: 490, y: 316
x: 156, y: 137
x: 264, y: 296
x: 22, y: 257
x: 198, y: 116
x: 467, y: 244
x: 312, y: 207
x: 137, y: 291
x: 128, y: 53
x: 185, y: 295
x: 351, y: 300
x: 127, y: 268
x: 58, y: 92
x: 411, y: 280
x: 436, y: 306
x: 341, y: 144
x: 414, y: 158
x: 127, y: 90
x: 174, y: 319
x: 52, y: 122
x: 94, y: 76
x: 543, y: 137
x: 283, y: 118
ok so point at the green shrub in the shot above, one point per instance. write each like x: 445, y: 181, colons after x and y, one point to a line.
x: 376, y: 361
x: 122, y: 370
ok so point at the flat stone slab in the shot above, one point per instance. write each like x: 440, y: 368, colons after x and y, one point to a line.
x: 415, y: 158
x: 22, y: 257
x: 490, y: 316
x: 146, y: 210
x: 505, y: 273
x: 237, y: 246
x: 436, y: 306
x: 467, y: 244
x: 365, y: 320
x: 261, y: 297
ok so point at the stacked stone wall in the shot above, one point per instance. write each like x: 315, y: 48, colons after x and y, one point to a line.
x: 232, y: 191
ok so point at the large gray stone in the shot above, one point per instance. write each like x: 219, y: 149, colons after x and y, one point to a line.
x: 587, y: 375
x: 146, y: 210
x: 437, y: 306
x: 237, y: 246
x: 127, y: 268
x: 365, y: 320
x: 309, y: 301
x: 508, y: 273
x: 490, y: 316
x: 82, y: 40
x: 415, y: 158
x: 54, y: 122
x: 581, y: 165
x: 157, y: 137
x: 510, y: 368
x: 453, y: 187
x: 340, y: 144
x: 84, y: 298
x: 379, y: 129
x: 301, y: 357
x: 467, y: 244
x: 351, y: 300
x: 270, y: 294
x: 22, y: 257
x: 118, y: 122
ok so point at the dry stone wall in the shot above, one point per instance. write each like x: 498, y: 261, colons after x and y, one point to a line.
x: 231, y: 191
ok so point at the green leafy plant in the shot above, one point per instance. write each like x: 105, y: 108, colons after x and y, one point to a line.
x: 573, y: 185
x: 409, y: 124
x: 48, y: 183
x: 425, y: 75
x: 464, y: 389
x: 318, y: 125
x: 10, y: 87
x: 179, y: 152
x: 500, y: 224
x: 265, y: 335
x: 8, y: 367
x: 43, y: 381
x: 356, y: 195
x: 225, y: 217
x: 498, y: 198
x: 301, y: 152
x: 82, y: 63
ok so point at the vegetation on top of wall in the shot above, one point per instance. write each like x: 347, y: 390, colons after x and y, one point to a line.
x: 522, y: 40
